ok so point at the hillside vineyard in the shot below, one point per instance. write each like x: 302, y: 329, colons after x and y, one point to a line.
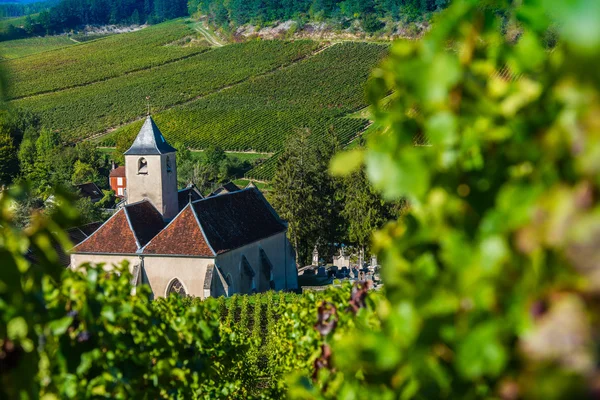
x: 98, y: 60
x: 121, y: 100
x: 242, y: 97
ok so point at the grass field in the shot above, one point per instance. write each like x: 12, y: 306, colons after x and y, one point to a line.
x: 25, y: 47
x: 100, y: 59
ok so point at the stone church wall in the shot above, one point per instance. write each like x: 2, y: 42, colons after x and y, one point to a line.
x: 159, y: 271
x: 110, y: 259
x: 278, y: 250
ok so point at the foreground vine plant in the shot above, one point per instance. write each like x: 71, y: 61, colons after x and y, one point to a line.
x: 492, y: 277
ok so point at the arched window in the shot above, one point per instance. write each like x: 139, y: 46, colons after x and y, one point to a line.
x: 247, y: 282
x: 169, y: 169
x: 142, y: 166
x: 176, y: 287
x: 230, y: 289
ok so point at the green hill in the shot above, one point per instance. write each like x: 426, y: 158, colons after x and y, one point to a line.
x: 244, y: 97
x: 24, y: 47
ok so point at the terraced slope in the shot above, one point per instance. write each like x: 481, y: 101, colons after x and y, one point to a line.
x: 25, y: 47
x: 83, y: 111
x: 100, y: 59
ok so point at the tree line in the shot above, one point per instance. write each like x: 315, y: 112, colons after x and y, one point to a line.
x: 71, y: 14
x: 33, y: 155
x: 11, y: 10
x: 239, y: 12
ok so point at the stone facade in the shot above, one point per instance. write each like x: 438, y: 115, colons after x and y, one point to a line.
x: 157, y: 184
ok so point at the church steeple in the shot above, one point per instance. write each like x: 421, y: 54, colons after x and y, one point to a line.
x: 151, y: 170
x: 149, y: 141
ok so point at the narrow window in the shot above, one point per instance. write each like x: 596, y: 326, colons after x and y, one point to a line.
x: 169, y: 164
x: 230, y: 289
x: 142, y: 166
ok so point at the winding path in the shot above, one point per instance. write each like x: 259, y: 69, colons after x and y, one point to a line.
x: 210, y: 38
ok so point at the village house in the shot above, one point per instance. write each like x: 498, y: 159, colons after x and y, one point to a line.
x: 177, y: 241
x: 117, y: 181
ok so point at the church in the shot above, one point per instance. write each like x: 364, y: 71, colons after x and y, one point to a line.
x: 176, y: 241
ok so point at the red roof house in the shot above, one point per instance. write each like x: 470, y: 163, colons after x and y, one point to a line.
x: 118, y: 181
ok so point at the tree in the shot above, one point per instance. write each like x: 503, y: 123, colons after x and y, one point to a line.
x: 27, y: 153
x: 296, y: 195
x: 83, y: 173
x: 214, y: 156
x: 88, y: 211
x: 29, y: 25
x: 135, y: 17
x: 364, y: 209
x: 9, y: 162
x: 332, y: 195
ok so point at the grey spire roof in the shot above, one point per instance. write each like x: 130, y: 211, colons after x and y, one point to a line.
x: 149, y: 141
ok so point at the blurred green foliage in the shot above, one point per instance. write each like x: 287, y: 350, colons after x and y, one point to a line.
x: 492, y: 276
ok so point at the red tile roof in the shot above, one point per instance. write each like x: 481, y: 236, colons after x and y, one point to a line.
x: 115, y: 236
x: 132, y: 225
x: 182, y: 236
x: 118, y: 172
x: 204, y: 228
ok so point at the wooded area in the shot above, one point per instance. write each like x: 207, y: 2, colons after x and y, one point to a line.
x: 240, y: 12
x: 70, y: 14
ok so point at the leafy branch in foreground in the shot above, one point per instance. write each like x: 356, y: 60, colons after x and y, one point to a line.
x: 492, y: 280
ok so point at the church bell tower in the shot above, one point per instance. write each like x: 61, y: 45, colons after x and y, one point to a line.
x: 151, y: 171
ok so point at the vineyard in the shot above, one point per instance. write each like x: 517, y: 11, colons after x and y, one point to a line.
x: 25, y: 47
x: 99, y: 59
x: 242, y: 97
x: 261, y: 113
x: 79, y: 111
x: 97, y: 339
